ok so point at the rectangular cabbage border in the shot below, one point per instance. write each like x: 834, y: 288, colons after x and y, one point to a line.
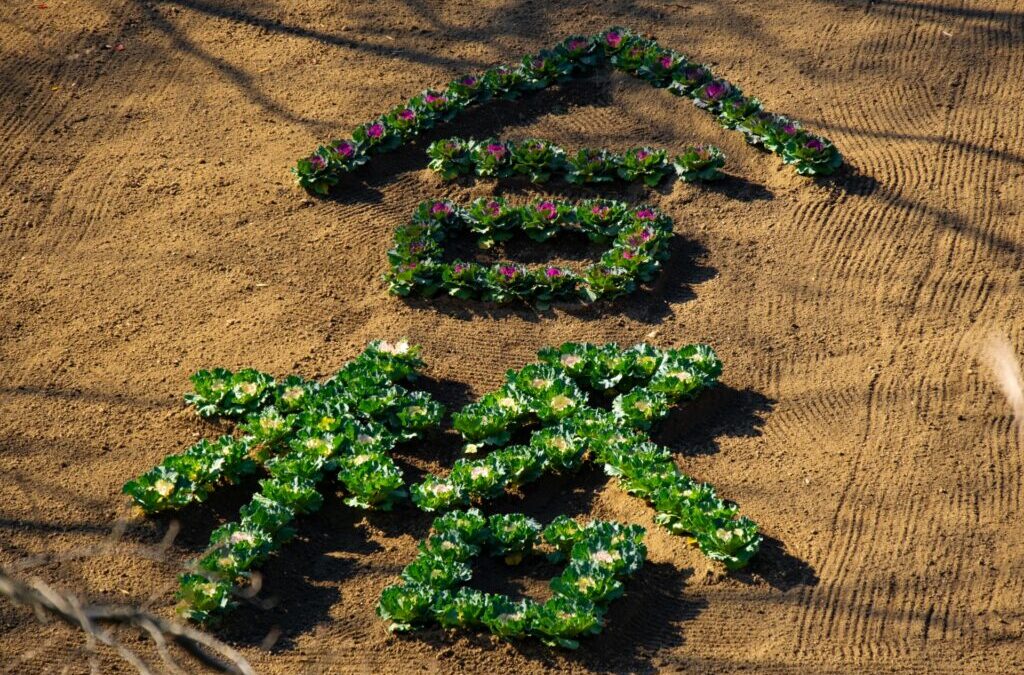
x: 575, y: 57
x: 297, y: 431
x: 598, y: 557
x: 643, y: 382
x: 638, y: 239
x: 539, y: 160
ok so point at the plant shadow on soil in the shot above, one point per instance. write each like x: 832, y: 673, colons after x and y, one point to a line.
x: 735, y: 413
x: 722, y: 411
x: 297, y: 587
x: 644, y: 621
x: 853, y: 181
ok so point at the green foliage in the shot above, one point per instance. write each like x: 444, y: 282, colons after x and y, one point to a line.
x: 372, y: 479
x: 436, y: 572
x: 348, y: 423
x: 734, y: 110
x: 191, y: 476
x: 298, y: 431
x: 732, y: 542
x: 489, y: 158
x: 536, y: 159
x: 405, y: 605
x: 641, y: 407
x: 438, y: 494
x: 221, y: 393
x: 560, y: 449
x: 513, y: 536
x: 699, y: 162
x: 540, y: 160
x: 449, y: 158
x: 481, y: 478
x: 520, y: 464
x: 812, y: 155
x: 589, y: 165
x: 588, y: 580
x: 644, y: 164
x: 201, y: 599
x: 556, y: 393
x: 639, y: 245
x: 469, y: 525
x: 562, y: 533
x: 462, y: 609
x: 601, y: 555
x: 561, y: 621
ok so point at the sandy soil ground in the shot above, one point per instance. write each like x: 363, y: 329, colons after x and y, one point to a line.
x: 149, y: 228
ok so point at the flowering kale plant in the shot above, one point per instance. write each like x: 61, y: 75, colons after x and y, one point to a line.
x: 598, y: 557
x: 450, y: 157
x: 812, y: 155
x: 642, y: 383
x: 712, y: 95
x: 298, y: 431
x: 644, y: 164
x: 639, y: 245
x: 504, y: 82
x: 574, y: 57
x: 699, y: 162
x: 536, y: 159
x: 735, y: 110
x: 489, y: 158
x: 590, y: 166
x: 688, y: 77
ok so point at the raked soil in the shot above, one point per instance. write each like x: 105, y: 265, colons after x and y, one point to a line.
x: 149, y: 228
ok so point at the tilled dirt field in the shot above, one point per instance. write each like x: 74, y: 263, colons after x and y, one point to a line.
x: 149, y: 228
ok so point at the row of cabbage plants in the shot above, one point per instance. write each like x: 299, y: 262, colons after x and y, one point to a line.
x: 540, y: 160
x: 580, y: 402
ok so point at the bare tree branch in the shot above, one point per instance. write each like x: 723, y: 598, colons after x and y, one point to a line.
x: 91, y: 619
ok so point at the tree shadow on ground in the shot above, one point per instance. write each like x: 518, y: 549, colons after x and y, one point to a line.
x: 738, y: 188
x: 452, y: 393
x: 851, y: 180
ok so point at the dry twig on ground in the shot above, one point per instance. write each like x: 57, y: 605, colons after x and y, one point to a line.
x: 94, y: 620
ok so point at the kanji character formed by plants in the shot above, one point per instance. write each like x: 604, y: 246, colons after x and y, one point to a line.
x: 298, y: 430
x: 637, y: 240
